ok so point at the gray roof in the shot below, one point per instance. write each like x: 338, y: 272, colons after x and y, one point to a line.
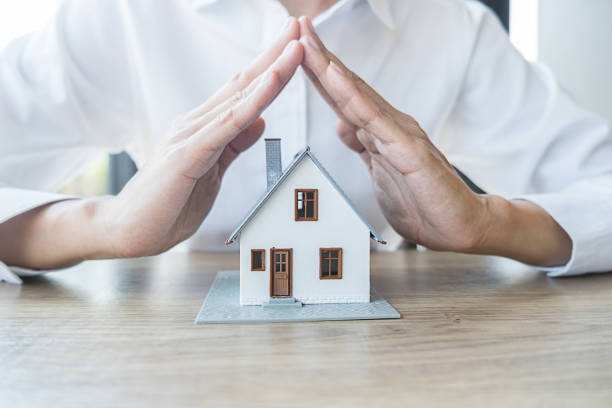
x: 296, y: 160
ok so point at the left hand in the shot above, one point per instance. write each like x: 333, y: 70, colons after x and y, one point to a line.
x: 418, y: 190
x: 420, y: 193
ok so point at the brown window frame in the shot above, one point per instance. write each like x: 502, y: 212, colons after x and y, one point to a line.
x: 263, y: 259
x: 315, y: 216
x: 339, y: 258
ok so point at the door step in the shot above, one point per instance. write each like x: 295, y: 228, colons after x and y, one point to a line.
x: 284, y: 302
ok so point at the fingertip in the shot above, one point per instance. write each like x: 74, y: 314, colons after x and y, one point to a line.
x: 306, y: 27
x: 260, y: 125
x: 347, y: 135
x: 343, y: 131
x: 296, y: 43
x: 342, y: 128
x: 292, y: 45
x: 299, y: 49
x: 290, y: 20
x: 306, y: 22
x: 309, y: 38
x: 312, y: 56
x: 295, y: 52
x: 304, y: 43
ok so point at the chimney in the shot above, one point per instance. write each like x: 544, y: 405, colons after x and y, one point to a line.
x: 274, y: 168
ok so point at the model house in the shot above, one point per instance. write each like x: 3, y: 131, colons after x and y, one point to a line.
x: 303, y: 239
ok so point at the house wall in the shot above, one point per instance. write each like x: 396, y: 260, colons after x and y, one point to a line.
x: 337, y: 226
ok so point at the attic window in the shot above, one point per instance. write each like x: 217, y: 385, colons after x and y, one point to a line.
x: 306, y: 205
x: 330, y: 261
x: 258, y: 257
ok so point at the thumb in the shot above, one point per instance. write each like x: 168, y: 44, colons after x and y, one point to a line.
x: 347, y: 135
x: 242, y: 142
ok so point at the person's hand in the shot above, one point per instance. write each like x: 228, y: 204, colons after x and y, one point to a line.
x: 418, y: 190
x: 420, y: 193
x: 167, y: 200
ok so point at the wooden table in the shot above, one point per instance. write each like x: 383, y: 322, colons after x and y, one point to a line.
x: 475, y: 331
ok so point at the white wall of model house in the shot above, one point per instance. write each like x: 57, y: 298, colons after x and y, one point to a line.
x: 274, y: 226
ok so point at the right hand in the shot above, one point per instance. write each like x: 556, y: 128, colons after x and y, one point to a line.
x: 167, y: 200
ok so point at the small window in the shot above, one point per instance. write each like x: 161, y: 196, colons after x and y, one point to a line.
x: 330, y: 263
x: 306, y: 205
x: 258, y: 257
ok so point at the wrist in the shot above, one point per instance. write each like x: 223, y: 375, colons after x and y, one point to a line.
x: 96, y: 231
x: 80, y: 227
x: 54, y: 235
x: 497, y: 225
x: 523, y: 231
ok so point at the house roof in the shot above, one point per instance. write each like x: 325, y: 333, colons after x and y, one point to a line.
x: 296, y: 160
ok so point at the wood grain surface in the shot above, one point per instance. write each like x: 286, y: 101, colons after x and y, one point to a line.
x: 475, y: 331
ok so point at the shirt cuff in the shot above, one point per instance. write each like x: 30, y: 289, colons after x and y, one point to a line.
x: 8, y: 276
x: 583, y: 212
x: 13, y: 274
x: 15, y: 201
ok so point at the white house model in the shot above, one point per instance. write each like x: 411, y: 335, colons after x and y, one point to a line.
x: 303, y: 240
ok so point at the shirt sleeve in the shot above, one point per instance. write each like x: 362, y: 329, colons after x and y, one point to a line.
x: 515, y: 132
x: 67, y: 95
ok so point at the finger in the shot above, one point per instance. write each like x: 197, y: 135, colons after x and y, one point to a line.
x: 403, y: 120
x: 243, y: 141
x: 347, y: 135
x: 317, y: 84
x: 344, y: 129
x: 369, y: 141
x: 289, y: 32
x: 199, y: 122
x: 356, y: 106
x: 284, y: 65
x: 305, y: 26
x: 307, y: 29
x: 229, y: 123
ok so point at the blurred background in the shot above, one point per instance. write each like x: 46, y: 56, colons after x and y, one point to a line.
x: 571, y: 36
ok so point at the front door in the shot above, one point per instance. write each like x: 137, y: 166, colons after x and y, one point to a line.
x: 280, y: 272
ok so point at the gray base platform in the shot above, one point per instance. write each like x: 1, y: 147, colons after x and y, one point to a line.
x: 222, y: 305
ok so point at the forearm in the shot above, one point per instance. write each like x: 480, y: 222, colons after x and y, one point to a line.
x: 524, y: 231
x: 55, y: 235
x: 168, y: 199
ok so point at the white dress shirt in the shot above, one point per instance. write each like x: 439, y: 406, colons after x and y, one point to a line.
x: 108, y: 75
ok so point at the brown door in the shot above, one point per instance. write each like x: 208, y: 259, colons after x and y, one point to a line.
x: 280, y: 272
